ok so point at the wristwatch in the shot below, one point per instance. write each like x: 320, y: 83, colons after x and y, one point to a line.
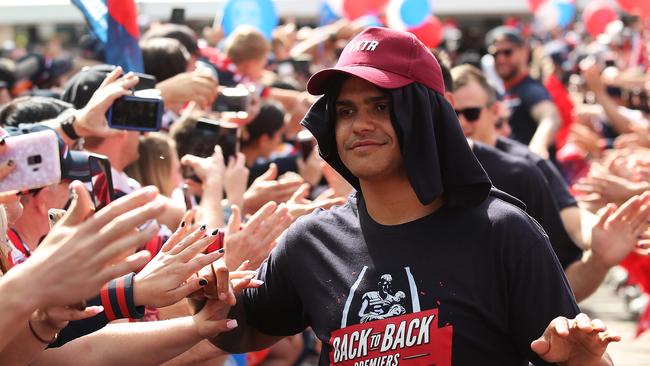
x: 67, y: 119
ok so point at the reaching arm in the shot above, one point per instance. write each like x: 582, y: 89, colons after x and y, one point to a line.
x: 578, y: 223
x: 211, y: 172
x: 172, y: 213
x: 91, y: 119
x: 203, y: 353
x: 17, y: 302
x: 245, y: 338
x: 77, y: 257
x: 548, y: 122
x: 39, y: 330
x: 613, y: 237
x: 149, y: 343
x: 619, y: 122
x: 585, y: 276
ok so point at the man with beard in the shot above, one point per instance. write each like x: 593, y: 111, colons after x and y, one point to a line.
x: 534, y: 118
x: 480, y: 279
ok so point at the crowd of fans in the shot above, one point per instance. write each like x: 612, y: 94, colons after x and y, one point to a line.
x: 559, y: 121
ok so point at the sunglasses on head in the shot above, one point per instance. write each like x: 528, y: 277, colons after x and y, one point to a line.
x: 471, y: 114
x: 507, y: 52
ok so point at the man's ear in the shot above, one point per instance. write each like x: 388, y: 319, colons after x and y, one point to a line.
x: 39, y: 200
x: 496, y: 108
x: 450, y: 98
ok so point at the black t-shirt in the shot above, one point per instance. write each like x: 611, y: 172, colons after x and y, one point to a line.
x: 522, y: 179
x: 456, y: 287
x: 521, y: 98
x: 557, y: 184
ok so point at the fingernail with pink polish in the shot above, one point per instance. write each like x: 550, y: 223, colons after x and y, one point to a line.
x: 231, y: 324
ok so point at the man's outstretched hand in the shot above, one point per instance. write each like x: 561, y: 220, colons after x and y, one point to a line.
x: 578, y: 341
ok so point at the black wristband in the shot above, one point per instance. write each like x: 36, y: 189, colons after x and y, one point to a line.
x: 134, y: 312
x: 67, y: 127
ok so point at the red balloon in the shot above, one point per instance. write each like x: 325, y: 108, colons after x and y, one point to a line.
x: 639, y: 7
x: 534, y: 4
x: 353, y: 9
x: 597, y: 15
x: 430, y: 33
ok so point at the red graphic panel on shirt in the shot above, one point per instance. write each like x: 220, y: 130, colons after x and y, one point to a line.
x: 410, y: 339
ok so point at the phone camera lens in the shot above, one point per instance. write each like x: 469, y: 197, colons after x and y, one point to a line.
x: 34, y: 159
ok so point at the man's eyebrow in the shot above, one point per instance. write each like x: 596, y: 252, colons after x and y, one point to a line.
x: 379, y: 98
x: 369, y: 100
x: 344, y: 102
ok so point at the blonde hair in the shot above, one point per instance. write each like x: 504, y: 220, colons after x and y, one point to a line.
x: 246, y: 43
x: 465, y: 74
x: 154, y: 166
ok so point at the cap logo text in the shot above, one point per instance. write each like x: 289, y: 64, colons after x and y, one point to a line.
x: 364, y: 46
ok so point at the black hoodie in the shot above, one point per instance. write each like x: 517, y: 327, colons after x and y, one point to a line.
x: 435, y: 152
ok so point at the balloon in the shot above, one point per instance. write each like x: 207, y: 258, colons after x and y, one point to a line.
x: 430, y: 33
x: 369, y: 20
x: 597, y: 15
x: 353, y: 9
x: 547, y: 16
x: 414, y: 12
x: 534, y: 4
x: 567, y: 9
x: 554, y: 13
x: 336, y: 6
x: 640, y: 7
x: 328, y: 14
x: 257, y: 13
x: 405, y: 14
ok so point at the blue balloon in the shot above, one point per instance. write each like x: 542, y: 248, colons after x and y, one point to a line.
x: 567, y: 11
x: 260, y: 14
x: 327, y: 14
x: 415, y: 12
x: 370, y: 20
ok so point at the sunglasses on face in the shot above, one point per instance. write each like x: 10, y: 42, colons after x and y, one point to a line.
x: 471, y: 114
x: 507, y: 52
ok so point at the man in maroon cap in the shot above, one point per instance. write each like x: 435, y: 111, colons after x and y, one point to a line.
x: 427, y: 264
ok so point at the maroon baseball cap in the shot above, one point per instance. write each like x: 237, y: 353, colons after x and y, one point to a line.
x: 385, y: 57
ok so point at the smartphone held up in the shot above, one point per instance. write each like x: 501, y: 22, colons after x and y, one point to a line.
x: 36, y: 157
x: 235, y: 99
x: 101, y: 180
x: 210, y: 133
x: 136, y: 113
